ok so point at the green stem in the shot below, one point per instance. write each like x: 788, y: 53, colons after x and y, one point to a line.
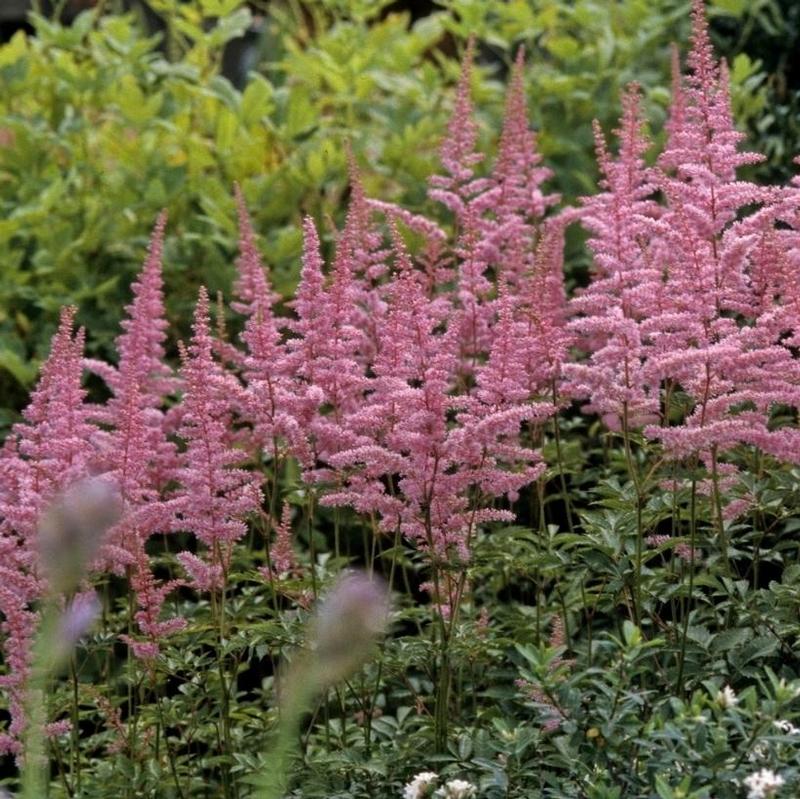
x: 75, y: 741
x: 679, y: 687
x: 170, y: 754
x: 723, y: 539
x: 560, y: 461
x: 272, y: 781
x: 634, y: 476
x: 442, y: 703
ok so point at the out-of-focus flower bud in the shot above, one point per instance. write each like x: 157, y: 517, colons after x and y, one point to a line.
x: 347, y: 624
x: 76, y: 620
x: 72, y: 530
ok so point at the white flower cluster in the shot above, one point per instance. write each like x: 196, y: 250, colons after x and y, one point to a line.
x: 763, y: 784
x: 420, y: 786
x: 786, y: 727
x: 457, y: 789
x: 423, y: 786
x: 727, y: 697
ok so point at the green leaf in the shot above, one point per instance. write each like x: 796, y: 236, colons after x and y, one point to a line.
x: 257, y: 100
x: 23, y: 371
x: 229, y: 27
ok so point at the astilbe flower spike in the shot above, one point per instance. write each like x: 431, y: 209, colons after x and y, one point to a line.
x: 326, y: 356
x: 50, y: 449
x: 458, y: 190
x: 136, y: 451
x: 513, y: 205
x: 732, y: 365
x: 458, y: 151
x: 542, y: 310
x: 626, y: 286
x: 252, y: 289
x: 213, y: 496
x: 281, y: 556
x: 267, y: 401
x: 445, y: 457
x: 427, y: 442
x: 684, y: 322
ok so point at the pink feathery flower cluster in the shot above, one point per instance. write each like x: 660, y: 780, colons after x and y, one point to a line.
x: 402, y: 388
x: 688, y: 322
x: 421, y: 414
x: 136, y: 448
x: 130, y: 442
x: 214, y: 495
x: 46, y: 452
x: 626, y: 286
x: 282, y: 559
x: 500, y: 217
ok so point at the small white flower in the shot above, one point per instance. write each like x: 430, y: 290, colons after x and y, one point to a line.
x: 786, y: 727
x: 763, y: 784
x: 457, y: 789
x: 420, y: 785
x: 758, y: 752
x: 727, y: 697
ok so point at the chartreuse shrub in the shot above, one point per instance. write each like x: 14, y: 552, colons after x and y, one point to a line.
x: 583, y: 502
x: 102, y: 126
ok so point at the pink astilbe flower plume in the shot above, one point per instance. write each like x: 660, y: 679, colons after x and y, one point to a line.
x: 214, y: 496
x: 151, y: 595
x: 50, y: 449
x: 514, y: 198
x: 56, y: 436
x: 626, y: 286
x: 326, y: 357
x: 252, y: 289
x: 542, y: 313
x: 268, y: 398
x: 682, y: 297
x: 309, y: 303
x: 458, y: 151
x: 282, y: 559
x: 141, y: 343
x: 518, y: 172
x: 702, y: 145
x: 429, y: 462
x: 685, y: 303
x: 709, y: 256
x: 136, y: 450
x: 361, y: 242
